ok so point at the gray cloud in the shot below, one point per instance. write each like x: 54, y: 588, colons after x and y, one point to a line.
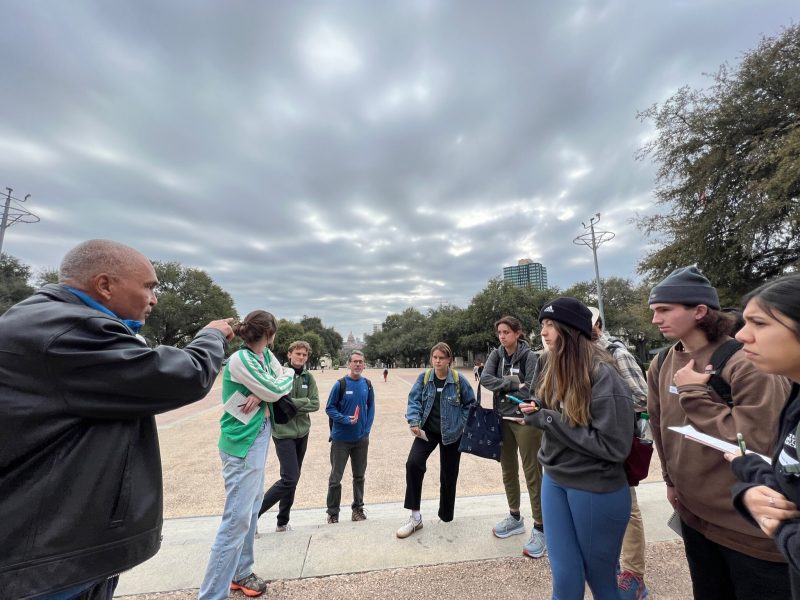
x: 348, y: 160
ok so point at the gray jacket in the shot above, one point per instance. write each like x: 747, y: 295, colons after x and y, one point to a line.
x: 590, y: 458
x: 492, y: 377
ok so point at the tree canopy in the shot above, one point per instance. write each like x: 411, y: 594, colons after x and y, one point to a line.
x: 407, y: 337
x: 14, y: 277
x: 729, y: 171
x: 188, y: 299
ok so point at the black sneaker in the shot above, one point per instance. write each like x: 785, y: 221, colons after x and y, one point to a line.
x: 359, y: 514
x: 252, y: 585
x: 333, y: 519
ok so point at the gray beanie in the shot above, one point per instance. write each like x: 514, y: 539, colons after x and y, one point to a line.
x: 686, y: 285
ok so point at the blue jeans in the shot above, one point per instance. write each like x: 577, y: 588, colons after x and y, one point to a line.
x: 584, y: 538
x: 232, y: 552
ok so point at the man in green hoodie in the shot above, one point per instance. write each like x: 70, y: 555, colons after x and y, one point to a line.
x: 291, y: 439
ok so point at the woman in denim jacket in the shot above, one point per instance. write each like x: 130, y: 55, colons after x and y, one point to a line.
x: 438, y: 404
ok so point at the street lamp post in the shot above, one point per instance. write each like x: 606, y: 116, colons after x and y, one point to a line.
x: 593, y: 239
x: 13, y: 213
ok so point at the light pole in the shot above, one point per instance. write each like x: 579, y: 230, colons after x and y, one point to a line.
x: 593, y: 239
x: 12, y: 213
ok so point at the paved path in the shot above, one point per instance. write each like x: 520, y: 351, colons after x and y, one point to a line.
x: 314, y: 549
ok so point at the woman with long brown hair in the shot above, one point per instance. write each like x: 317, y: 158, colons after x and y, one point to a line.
x: 584, y: 408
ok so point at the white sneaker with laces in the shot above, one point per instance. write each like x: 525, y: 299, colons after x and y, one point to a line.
x: 409, y: 527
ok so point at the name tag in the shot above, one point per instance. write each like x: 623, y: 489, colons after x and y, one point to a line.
x: 349, y: 392
x: 305, y: 387
x: 439, y: 389
x: 514, y: 371
x: 673, y: 389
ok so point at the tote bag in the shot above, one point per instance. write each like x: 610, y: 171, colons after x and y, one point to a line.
x: 482, y: 435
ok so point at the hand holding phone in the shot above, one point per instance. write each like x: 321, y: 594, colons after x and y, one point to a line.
x: 354, y: 418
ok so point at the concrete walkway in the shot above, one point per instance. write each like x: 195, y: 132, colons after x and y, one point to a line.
x: 315, y: 549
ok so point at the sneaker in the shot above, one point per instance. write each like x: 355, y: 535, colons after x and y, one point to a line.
x: 631, y: 586
x: 281, y: 528
x: 252, y: 585
x: 333, y: 519
x: 409, y: 527
x: 359, y: 514
x: 508, y: 527
x: 535, y: 548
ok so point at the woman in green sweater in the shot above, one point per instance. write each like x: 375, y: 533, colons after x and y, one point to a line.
x: 254, y: 378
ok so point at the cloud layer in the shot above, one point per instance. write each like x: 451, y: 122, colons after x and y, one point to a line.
x: 347, y: 160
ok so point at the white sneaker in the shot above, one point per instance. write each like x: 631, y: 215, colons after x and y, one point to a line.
x: 409, y: 527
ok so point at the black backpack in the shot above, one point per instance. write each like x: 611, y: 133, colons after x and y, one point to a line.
x: 342, y: 389
x: 718, y: 360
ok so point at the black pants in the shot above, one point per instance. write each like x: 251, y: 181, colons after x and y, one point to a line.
x: 356, y: 452
x: 719, y: 573
x: 449, y: 461
x: 290, y: 456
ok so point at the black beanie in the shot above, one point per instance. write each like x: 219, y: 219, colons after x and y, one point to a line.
x: 570, y: 312
x: 686, y: 285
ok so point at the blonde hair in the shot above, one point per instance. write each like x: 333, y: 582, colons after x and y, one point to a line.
x: 299, y: 344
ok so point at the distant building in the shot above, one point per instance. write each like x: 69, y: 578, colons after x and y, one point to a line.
x: 352, y: 343
x: 526, y: 273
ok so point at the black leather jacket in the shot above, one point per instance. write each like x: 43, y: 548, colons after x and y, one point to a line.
x: 80, y: 470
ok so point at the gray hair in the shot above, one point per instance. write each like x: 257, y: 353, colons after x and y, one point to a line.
x: 89, y: 258
x: 353, y: 353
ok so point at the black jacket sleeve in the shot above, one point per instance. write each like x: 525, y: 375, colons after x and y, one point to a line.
x: 105, y: 373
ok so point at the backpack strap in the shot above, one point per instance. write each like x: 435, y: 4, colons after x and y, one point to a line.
x: 718, y: 360
x: 662, y: 355
x: 429, y: 373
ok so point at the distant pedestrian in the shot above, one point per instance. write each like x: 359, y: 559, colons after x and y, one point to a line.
x: 438, y: 404
x: 255, y: 374
x: 385, y: 375
x: 475, y: 371
x: 291, y: 439
x: 351, y: 408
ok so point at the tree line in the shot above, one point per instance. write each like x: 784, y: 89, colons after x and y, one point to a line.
x: 406, y: 338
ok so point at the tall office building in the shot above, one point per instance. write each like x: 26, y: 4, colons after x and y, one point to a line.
x: 526, y: 274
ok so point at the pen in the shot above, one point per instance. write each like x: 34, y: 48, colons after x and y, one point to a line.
x: 740, y: 441
x: 514, y: 399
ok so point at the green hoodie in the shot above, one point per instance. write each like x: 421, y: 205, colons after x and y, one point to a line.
x: 305, y: 397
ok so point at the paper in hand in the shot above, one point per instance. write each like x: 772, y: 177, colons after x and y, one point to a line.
x: 234, y: 407
x: 712, y: 442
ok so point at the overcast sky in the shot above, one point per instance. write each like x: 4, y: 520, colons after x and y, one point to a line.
x: 349, y: 159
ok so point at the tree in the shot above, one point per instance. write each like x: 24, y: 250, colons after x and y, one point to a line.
x: 729, y: 171
x: 287, y: 333
x: 626, y: 311
x: 332, y: 341
x: 45, y: 276
x: 14, y: 277
x: 187, y: 300
x: 500, y: 298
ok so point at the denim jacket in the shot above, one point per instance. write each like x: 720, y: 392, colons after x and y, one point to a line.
x: 453, y: 411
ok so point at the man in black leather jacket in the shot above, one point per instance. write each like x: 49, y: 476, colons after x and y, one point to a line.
x: 80, y: 470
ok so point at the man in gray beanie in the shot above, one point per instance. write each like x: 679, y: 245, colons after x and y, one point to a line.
x: 704, y: 380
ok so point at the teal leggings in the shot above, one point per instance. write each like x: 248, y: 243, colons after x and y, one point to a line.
x: 584, y: 538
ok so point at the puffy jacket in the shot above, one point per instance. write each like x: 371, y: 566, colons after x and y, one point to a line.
x: 80, y: 470
x: 452, y: 408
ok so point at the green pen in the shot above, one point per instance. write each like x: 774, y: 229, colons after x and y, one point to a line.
x: 740, y: 441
